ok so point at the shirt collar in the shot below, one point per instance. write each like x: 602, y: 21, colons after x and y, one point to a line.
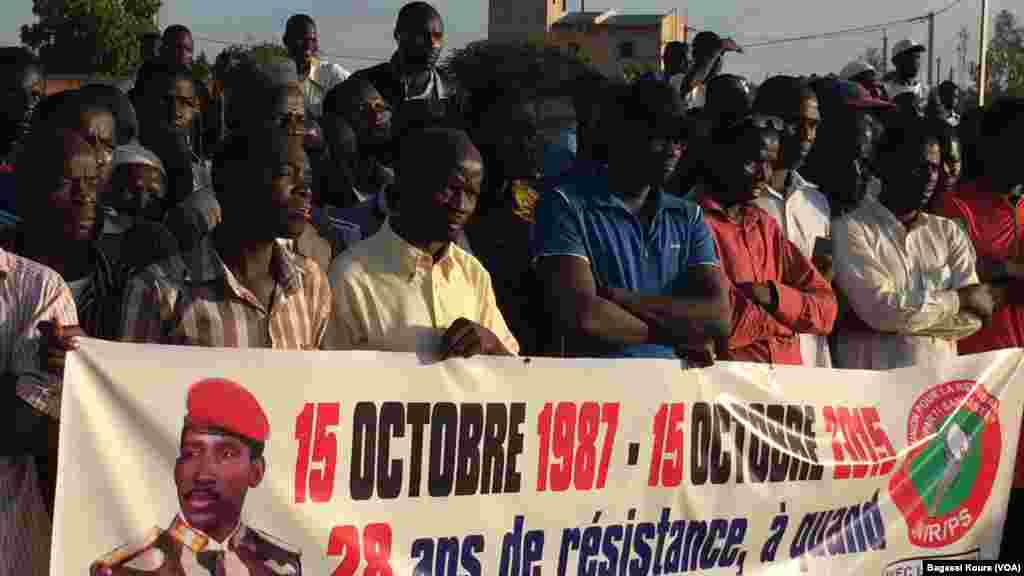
x: 381, y: 201
x: 204, y: 264
x: 433, y: 85
x: 6, y: 264
x: 314, y: 71
x: 411, y: 259
x: 888, y: 219
x: 750, y: 214
x: 197, y: 541
x: 603, y: 196
x: 796, y: 183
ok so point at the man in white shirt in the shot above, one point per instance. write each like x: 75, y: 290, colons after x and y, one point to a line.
x: 906, y: 57
x: 909, y: 276
x: 797, y: 205
x: 318, y: 76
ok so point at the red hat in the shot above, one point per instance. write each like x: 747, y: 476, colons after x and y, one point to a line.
x: 225, y: 405
x: 855, y: 95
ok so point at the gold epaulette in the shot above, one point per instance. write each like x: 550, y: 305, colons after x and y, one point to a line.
x: 126, y: 552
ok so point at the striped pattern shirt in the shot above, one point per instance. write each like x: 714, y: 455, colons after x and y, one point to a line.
x: 192, y: 299
x: 29, y: 294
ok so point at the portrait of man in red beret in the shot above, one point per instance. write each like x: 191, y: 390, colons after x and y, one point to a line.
x: 220, y: 459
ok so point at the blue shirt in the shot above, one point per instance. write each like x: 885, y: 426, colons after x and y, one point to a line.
x: 559, y: 156
x: 581, y: 217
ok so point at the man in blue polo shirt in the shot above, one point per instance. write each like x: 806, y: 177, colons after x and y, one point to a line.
x: 629, y: 270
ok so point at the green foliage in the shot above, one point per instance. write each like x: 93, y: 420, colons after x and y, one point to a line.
x: 1005, y: 73
x: 633, y: 70
x: 498, y: 67
x: 90, y: 36
x: 268, y: 53
x: 201, y: 68
x: 260, y: 54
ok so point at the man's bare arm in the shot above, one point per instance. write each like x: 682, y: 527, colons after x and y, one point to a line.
x: 699, y: 312
x: 578, y: 308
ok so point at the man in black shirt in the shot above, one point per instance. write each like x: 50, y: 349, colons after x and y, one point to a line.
x: 410, y: 82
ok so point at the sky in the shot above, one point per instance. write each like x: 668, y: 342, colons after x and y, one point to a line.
x: 358, y: 33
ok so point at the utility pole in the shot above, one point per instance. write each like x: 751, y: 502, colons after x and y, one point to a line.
x: 964, y: 50
x: 885, y: 52
x: 938, y: 70
x: 982, y: 53
x: 931, y: 48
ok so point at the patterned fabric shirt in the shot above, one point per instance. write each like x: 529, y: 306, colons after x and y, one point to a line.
x: 194, y: 300
x: 29, y: 293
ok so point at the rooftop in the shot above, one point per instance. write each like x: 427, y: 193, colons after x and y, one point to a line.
x: 575, y: 18
x: 631, y: 20
x: 610, y: 18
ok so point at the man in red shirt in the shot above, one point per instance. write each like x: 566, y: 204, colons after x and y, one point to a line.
x: 775, y: 291
x: 991, y: 209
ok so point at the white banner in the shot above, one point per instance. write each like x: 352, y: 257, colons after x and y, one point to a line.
x: 377, y: 464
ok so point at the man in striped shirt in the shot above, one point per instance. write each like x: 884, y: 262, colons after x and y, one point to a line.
x: 240, y: 287
x: 37, y: 318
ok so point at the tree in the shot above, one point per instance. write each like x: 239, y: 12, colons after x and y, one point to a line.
x: 260, y: 54
x: 1006, y: 56
x: 1004, y: 74
x: 486, y: 66
x: 201, y: 68
x: 268, y: 53
x: 633, y: 70
x: 90, y: 36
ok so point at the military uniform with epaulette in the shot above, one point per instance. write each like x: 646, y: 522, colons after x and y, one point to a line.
x: 184, y: 551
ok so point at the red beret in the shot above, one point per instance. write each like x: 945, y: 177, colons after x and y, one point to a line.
x: 223, y: 404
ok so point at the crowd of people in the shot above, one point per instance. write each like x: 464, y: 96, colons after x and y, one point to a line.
x: 846, y: 220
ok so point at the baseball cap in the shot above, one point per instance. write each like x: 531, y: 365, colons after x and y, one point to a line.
x: 855, y: 68
x: 906, y: 45
x: 135, y: 154
x: 707, y: 41
x: 854, y: 95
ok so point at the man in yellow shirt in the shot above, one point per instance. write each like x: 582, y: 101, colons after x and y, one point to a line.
x: 410, y: 287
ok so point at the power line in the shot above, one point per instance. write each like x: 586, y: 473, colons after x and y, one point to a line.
x: 949, y: 7
x: 845, y: 31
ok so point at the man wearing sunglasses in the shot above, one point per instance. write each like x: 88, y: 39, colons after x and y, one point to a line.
x: 775, y: 290
x: 798, y: 206
x: 629, y: 270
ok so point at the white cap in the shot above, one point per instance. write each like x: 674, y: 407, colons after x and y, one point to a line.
x: 135, y: 154
x: 906, y: 45
x: 854, y: 68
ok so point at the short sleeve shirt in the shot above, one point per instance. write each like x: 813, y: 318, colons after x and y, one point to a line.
x: 583, y: 218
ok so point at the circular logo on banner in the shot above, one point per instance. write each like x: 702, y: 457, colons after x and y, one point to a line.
x: 955, y: 443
